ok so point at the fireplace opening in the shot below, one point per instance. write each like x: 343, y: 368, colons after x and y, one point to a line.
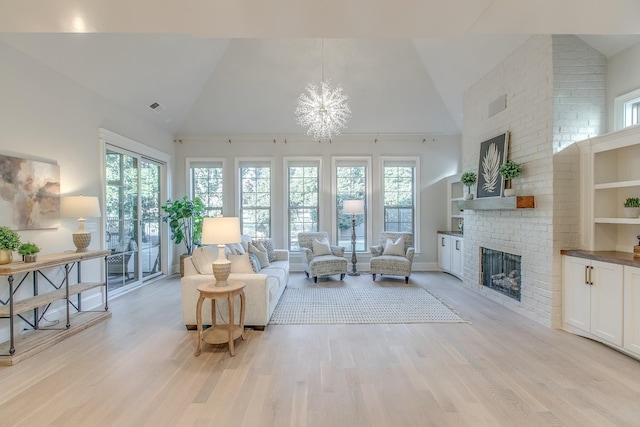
x: 500, y: 271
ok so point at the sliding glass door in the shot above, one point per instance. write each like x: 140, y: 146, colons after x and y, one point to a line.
x: 132, y: 223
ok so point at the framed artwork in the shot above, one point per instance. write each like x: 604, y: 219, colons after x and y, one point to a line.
x: 29, y: 193
x: 493, y: 153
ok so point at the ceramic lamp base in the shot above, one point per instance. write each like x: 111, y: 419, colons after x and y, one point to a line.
x: 81, y: 239
x: 221, y: 267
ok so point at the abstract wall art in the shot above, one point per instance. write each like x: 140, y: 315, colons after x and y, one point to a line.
x: 29, y: 193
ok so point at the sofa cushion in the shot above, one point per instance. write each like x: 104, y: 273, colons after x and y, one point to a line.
x: 260, y: 252
x: 240, y: 263
x: 267, y: 244
x: 255, y: 263
x: 321, y: 247
x: 203, y: 257
x: 394, y: 248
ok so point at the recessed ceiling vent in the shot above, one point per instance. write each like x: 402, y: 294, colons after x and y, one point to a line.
x: 157, y: 107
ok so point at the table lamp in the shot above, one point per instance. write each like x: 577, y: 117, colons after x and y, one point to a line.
x: 220, y: 231
x: 80, y: 207
x: 353, y: 208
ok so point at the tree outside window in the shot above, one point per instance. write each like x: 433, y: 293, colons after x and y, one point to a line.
x: 303, y: 201
x: 351, y: 185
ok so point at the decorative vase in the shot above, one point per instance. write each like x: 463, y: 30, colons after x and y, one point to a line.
x: 468, y: 196
x: 6, y: 256
x: 509, y: 192
x: 30, y: 257
x: 632, y: 212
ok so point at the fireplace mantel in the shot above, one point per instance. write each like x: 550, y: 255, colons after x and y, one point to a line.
x: 498, y: 203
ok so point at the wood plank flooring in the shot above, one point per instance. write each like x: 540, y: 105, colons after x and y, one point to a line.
x: 138, y: 369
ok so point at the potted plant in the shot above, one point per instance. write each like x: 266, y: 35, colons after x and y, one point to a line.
x: 9, y: 242
x: 29, y: 252
x: 185, y: 217
x: 468, y: 179
x: 632, y: 207
x: 509, y: 171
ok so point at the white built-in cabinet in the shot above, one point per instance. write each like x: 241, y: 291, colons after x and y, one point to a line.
x: 450, y: 250
x: 632, y: 309
x: 593, y: 298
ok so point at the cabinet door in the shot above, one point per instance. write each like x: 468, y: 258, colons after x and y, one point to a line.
x: 632, y: 309
x: 444, y: 252
x: 606, y: 301
x: 456, y: 256
x: 577, y: 293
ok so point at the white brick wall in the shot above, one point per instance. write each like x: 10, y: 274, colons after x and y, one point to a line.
x: 542, y: 116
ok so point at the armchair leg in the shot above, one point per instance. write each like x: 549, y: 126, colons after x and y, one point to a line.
x: 315, y: 279
x: 374, y: 277
x: 307, y: 273
x: 406, y: 279
x: 342, y: 276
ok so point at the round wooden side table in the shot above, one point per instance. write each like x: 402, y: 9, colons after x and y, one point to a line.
x: 218, y: 334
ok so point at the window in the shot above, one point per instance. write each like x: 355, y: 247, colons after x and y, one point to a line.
x: 255, y: 198
x: 303, y: 188
x: 207, y: 182
x: 351, y: 183
x: 398, y: 187
x: 627, y: 110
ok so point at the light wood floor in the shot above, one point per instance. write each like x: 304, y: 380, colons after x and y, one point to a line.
x: 138, y: 369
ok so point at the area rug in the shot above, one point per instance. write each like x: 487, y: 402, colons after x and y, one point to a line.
x: 304, y: 306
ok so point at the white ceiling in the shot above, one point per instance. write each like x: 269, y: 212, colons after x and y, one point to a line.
x: 227, y: 67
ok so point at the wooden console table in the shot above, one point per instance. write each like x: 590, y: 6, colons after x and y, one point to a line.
x: 41, y: 338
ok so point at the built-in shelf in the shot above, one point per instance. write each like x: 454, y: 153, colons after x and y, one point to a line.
x: 617, y: 220
x: 498, y: 203
x: 618, y: 184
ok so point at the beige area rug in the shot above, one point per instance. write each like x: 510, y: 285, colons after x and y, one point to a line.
x: 402, y: 304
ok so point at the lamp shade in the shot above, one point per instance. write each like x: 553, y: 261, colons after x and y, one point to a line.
x: 221, y: 230
x: 353, y: 207
x: 80, y: 207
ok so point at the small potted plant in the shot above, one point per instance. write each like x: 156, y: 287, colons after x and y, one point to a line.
x: 632, y: 207
x: 29, y: 252
x: 509, y: 171
x: 9, y: 242
x: 468, y: 179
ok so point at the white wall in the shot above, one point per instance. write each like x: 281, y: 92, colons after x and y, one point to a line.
x: 47, y: 117
x: 439, y: 159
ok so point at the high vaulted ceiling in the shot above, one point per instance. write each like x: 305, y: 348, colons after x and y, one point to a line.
x: 238, y: 66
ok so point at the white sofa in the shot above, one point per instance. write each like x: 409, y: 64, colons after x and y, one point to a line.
x: 262, y: 291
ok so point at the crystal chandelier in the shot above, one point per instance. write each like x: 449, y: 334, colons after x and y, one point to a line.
x: 323, y: 109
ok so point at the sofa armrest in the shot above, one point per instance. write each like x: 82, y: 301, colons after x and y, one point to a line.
x: 307, y: 254
x: 410, y: 253
x: 189, y: 267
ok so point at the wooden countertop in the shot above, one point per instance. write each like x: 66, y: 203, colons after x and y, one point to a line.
x: 614, y: 257
x: 451, y: 233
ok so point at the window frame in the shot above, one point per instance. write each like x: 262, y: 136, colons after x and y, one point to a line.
x: 192, y: 162
x: 365, y: 161
x: 415, y: 162
x: 620, y: 108
x: 241, y: 162
x: 297, y: 162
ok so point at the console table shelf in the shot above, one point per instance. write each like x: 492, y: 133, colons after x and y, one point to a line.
x: 39, y: 338
x: 498, y: 203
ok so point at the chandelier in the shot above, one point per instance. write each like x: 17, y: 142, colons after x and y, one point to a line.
x: 323, y: 109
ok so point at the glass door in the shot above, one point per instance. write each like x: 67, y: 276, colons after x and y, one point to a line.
x: 132, y: 223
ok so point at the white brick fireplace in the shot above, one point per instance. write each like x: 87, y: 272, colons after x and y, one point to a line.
x: 555, y: 92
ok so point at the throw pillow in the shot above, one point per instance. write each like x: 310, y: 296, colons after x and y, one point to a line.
x: 261, y: 254
x: 268, y: 246
x: 240, y: 263
x: 321, y: 247
x: 202, y: 258
x: 394, y: 248
x: 235, y: 248
x: 255, y: 263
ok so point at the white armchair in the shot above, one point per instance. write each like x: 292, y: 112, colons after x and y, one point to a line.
x: 320, y: 262
x: 396, y: 261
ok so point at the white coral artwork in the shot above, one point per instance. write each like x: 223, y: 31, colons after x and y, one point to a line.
x: 490, y: 168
